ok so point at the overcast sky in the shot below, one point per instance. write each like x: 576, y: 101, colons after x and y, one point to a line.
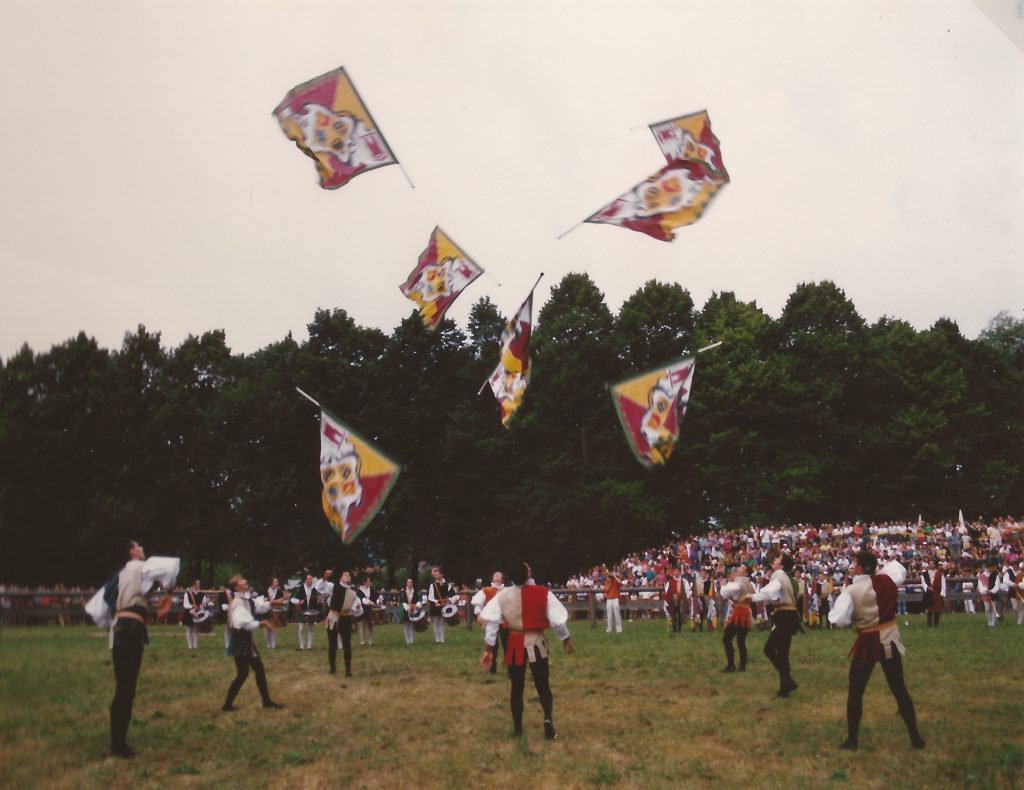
x: 143, y: 178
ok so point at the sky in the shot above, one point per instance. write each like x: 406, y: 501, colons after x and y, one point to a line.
x: 143, y: 179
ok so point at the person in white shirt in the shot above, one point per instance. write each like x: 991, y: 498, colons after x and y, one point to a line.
x: 307, y: 600
x: 123, y: 605
x: 190, y: 606
x: 243, y: 649
x: 409, y: 601
x: 781, y: 591
x: 368, y: 598
x: 528, y: 609
x: 482, y: 597
x: 438, y: 594
x: 343, y: 606
x: 988, y: 589
x: 869, y: 604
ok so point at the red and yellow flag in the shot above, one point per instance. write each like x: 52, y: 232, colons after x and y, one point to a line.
x: 651, y: 407
x: 689, y: 138
x: 357, y: 477
x: 508, y: 381
x: 442, y: 273
x: 328, y: 121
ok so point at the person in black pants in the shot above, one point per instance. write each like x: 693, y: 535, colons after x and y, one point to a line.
x: 242, y: 648
x: 782, y: 592
x: 344, y: 606
x: 869, y: 604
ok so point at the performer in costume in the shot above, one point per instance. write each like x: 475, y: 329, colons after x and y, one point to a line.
x: 933, y: 582
x: 479, y: 601
x: 243, y: 622
x: 408, y: 602
x: 278, y: 600
x: 306, y: 598
x: 191, y: 604
x: 528, y: 609
x: 123, y: 604
x: 343, y: 607
x: 612, y: 612
x: 988, y: 588
x: 781, y: 591
x: 221, y: 614
x: 1017, y: 593
x: 368, y: 598
x: 869, y: 603
x: 438, y: 595
x: 739, y: 590
x: 677, y: 591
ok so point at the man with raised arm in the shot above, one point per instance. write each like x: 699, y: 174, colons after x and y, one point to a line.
x: 869, y: 604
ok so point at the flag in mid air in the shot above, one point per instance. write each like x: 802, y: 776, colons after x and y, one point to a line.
x: 328, y: 121
x: 678, y: 194
x: 442, y: 273
x: 651, y: 407
x: 508, y: 381
x: 357, y: 477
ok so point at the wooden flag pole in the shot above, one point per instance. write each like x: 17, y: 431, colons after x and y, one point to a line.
x: 707, y: 348
x: 534, y: 288
x: 310, y: 399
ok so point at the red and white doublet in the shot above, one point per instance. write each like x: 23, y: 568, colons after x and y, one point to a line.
x: 739, y: 591
x: 528, y: 610
x: 869, y: 605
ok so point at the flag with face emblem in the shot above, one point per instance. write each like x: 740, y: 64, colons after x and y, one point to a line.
x: 357, y: 477
x: 651, y: 406
x: 442, y: 273
x: 508, y: 381
x: 678, y: 194
x: 329, y: 123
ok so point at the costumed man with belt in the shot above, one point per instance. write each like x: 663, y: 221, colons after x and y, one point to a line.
x: 676, y: 594
x: 701, y: 592
x: 479, y: 601
x: 781, y: 591
x: 528, y: 609
x: 869, y: 603
x: 221, y: 616
x: 933, y: 582
x: 988, y: 588
x: 241, y: 618
x: 438, y: 594
x: 409, y: 601
x: 190, y: 607
x: 612, y: 613
x: 343, y: 607
x: 740, y: 591
x: 368, y: 598
x: 123, y: 604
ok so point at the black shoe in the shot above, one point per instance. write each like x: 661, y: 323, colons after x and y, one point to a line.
x: 743, y: 667
x: 122, y: 750
x: 849, y: 745
x: 782, y: 693
x: 790, y: 685
x: 917, y: 742
x: 272, y: 705
x: 227, y: 707
x: 729, y: 668
x: 517, y: 732
x: 348, y: 674
x: 549, y: 731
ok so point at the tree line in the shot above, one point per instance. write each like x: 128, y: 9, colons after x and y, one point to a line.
x: 816, y: 416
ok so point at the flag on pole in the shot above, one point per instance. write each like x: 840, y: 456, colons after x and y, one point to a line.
x: 689, y: 138
x: 508, y: 381
x: 328, y: 121
x: 672, y: 198
x: 357, y: 477
x: 442, y: 273
x: 960, y: 519
x: 651, y: 406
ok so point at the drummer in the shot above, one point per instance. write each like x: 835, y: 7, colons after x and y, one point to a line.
x: 368, y: 598
x: 190, y: 606
x: 438, y: 594
x: 278, y: 600
x: 409, y: 602
x: 306, y: 598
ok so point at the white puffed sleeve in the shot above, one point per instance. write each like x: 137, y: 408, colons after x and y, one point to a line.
x: 895, y: 571
x: 98, y: 610
x: 491, y: 615
x: 841, y: 613
x: 770, y: 593
x: 261, y: 604
x: 558, y: 616
x: 159, y: 569
x: 732, y: 591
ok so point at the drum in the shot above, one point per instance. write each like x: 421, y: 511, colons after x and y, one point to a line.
x: 310, y: 615
x: 450, y: 613
x: 204, y: 619
x: 418, y: 618
x: 278, y: 616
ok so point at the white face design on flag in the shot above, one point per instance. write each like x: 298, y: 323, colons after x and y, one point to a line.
x: 671, y: 191
x: 339, y: 472
x: 678, y: 143
x: 328, y: 132
x: 658, y: 414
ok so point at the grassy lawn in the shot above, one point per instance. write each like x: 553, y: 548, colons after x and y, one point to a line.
x: 641, y: 709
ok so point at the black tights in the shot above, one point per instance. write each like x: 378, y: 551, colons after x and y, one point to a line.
x: 127, y: 660
x: 784, y: 625
x: 933, y: 618
x: 860, y: 674
x: 242, y: 665
x: 517, y: 674
x: 503, y: 637
x: 344, y: 630
x: 741, y: 642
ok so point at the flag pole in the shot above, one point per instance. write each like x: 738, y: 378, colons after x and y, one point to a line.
x: 566, y: 233
x: 411, y: 184
x: 307, y: 397
x: 534, y: 288
x: 708, y: 348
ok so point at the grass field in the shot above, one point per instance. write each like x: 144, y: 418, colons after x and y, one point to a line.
x: 641, y: 709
